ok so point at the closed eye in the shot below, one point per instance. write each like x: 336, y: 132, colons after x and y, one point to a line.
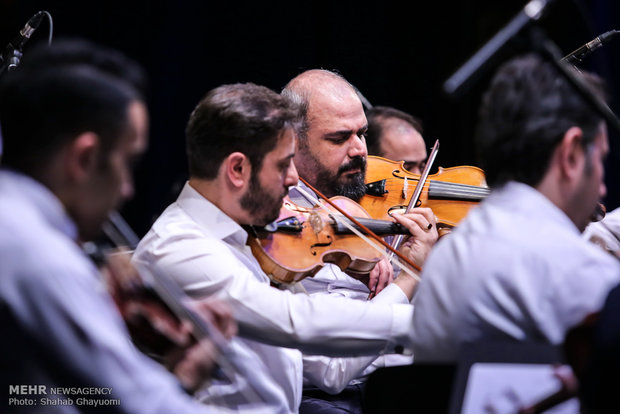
x: 340, y: 138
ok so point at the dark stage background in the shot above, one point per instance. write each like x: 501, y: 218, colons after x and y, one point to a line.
x: 397, y: 53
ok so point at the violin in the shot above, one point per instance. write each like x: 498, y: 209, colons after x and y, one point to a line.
x: 302, y: 240
x: 450, y: 193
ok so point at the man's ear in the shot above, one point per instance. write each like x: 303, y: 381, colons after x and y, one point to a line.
x: 237, y: 169
x: 82, y: 156
x: 571, y: 153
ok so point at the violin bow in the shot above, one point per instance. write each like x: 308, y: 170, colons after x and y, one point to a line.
x: 418, y: 190
x: 364, y: 228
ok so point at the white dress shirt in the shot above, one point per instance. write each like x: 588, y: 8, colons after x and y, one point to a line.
x: 515, y: 269
x: 60, y: 326
x: 333, y: 374
x: 205, y: 251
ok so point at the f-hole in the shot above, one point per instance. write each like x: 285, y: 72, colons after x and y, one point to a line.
x: 324, y: 244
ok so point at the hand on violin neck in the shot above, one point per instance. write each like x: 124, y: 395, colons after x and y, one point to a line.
x: 422, y: 224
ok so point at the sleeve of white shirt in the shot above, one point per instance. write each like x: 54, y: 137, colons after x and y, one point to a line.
x: 315, y: 325
x: 333, y: 374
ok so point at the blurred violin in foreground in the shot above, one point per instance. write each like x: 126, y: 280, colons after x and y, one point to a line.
x: 154, y: 326
x: 192, y: 339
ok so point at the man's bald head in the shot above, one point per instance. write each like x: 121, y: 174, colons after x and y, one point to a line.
x: 314, y: 88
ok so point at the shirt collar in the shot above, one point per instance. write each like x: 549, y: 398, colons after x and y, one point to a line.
x: 299, y: 198
x: 525, y: 198
x: 40, y: 198
x: 210, y: 217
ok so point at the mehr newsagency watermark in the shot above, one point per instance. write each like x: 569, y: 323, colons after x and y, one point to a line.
x: 42, y: 395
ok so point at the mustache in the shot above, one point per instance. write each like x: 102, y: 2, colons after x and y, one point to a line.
x: 357, y: 162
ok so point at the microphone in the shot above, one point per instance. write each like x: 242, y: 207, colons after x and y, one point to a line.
x: 12, y: 51
x: 472, y: 69
x: 577, y: 55
x: 25, y: 33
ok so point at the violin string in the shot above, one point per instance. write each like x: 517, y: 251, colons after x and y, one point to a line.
x: 358, y: 233
x: 459, y: 187
x: 439, y: 188
x: 436, y: 192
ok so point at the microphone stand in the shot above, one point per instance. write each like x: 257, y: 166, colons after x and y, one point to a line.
x: 11, y: 55
x: 549, y: 51
x: 471, y: 70
x: 540, y: 44
x: 11, y: 61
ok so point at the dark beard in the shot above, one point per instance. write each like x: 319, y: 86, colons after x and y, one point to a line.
x: 263, y: 207
x: 354, y: 189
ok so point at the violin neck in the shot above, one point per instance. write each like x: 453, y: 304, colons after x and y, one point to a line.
x: 379, y: 227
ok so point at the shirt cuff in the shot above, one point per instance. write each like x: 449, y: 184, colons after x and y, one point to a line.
x: 401, y: 330
x: 391, y: 294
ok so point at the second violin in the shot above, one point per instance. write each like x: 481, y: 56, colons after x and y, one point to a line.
x: 450, y: 193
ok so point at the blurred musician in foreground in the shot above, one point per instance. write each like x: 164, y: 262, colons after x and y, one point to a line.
x: 240, y: 144
x: 331, y: 156
x: 517, y: 268
x: 73, y: 120
x: 397, y: 136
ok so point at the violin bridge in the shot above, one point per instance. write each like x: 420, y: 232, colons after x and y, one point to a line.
x: 405, y: 188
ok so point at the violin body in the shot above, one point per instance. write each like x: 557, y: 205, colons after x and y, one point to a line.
x: 306, y: 239
x: 450, y: 193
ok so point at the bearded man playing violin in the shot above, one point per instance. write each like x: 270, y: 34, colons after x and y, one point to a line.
x: 331, y: 156
x: 331, y: 152
x: 517, y: 268
x: 240, y: 145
